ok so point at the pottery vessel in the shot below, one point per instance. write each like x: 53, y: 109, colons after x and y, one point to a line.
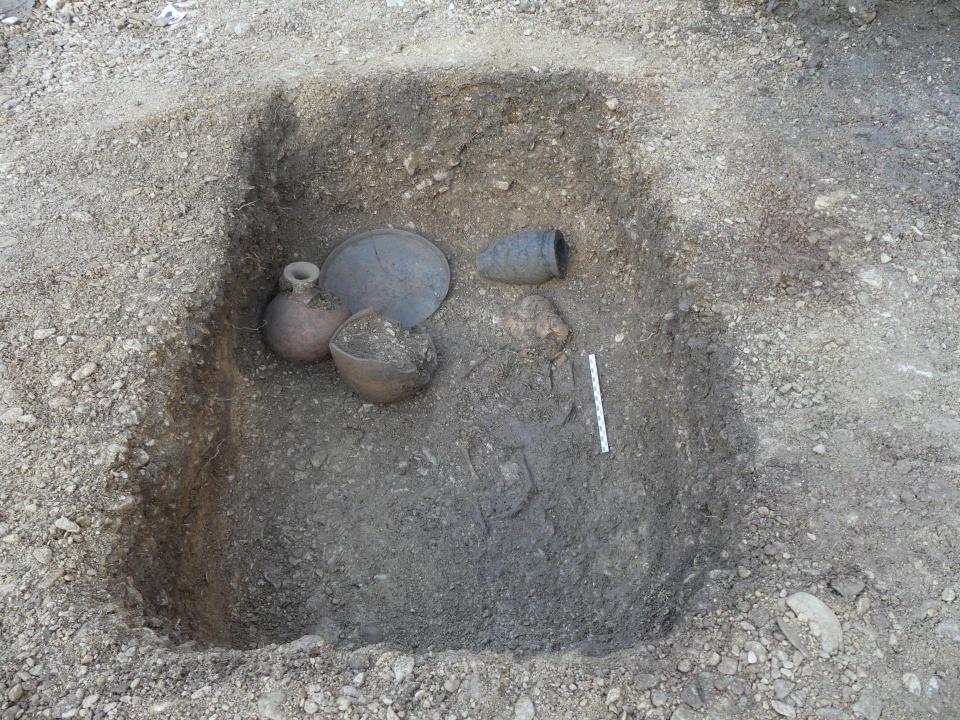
x: 529, y: 257
x: 299, y: 322
x: 381, y: 382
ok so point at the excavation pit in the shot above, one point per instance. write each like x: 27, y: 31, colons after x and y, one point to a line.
x: 478, y: 514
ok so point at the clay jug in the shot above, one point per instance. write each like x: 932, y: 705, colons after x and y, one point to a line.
x: 299, y: 322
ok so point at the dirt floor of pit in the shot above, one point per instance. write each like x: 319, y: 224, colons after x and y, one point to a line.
x: 478, y: 514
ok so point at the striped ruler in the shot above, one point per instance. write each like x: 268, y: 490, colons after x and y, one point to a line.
x: 598, y: 401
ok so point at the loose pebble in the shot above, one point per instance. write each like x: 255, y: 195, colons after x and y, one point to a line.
x: 268, y: 705
x: 783, y: 709
x: 912, y: 683
x: 868, y: 706
x: 67, y: 525
x: 822, y: 620
x: 402, y: 668
x: 84, y: 371
x: 11, y: 416
x: 847, y: 587
x: 524, y: 708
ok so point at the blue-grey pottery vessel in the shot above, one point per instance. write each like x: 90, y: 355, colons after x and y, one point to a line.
x: 530, y: 257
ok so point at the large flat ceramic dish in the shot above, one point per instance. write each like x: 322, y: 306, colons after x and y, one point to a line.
x: 400, y: 274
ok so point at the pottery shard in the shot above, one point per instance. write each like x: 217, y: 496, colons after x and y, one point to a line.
x: 537, y: 325
x: 822, y: 621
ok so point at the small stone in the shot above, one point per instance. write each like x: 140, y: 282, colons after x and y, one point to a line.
x: 613, y: 696
x: 884, y: 258
x: 612, y: 103
x: 822, y: 620
x: 756, y: 652
x: 410, y: 164
x: 67, y: 525
x: 90, y: 700
x: 645, y: 681
x: 268, y: 705
x: 949, y: 629
x: 691, y: 696
x: 659, y: 698
x: 84, y: 371
x: 402, y: 668
x: 912, y: 683
x: 684, y: 665
x: 43, y: 555
x: 15, y: 694
x: 243, y: 27
x: 948, y: 595
x: 451, y: 685
x: 311, y: 708
x: 781, y: 708
x: 681, y: 713
x: 10, y: 416
x: 728, y: 666
x: 502, y: 185
x: 820, y: 449
x: 830, y: 200
x: 868, y: 706
x: 782, y: 688
x: 51, y: 578
x: 524, y: 709
x: 743, y: 572
x: 44, y: 333
x: 847, y: 587
x: 139, y: 458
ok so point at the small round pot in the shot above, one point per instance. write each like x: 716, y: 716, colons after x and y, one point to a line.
x: 377, y: 381
x: 299, y: 322
x: 530, y: 257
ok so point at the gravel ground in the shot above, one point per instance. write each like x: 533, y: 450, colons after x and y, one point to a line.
x: 809, y: 154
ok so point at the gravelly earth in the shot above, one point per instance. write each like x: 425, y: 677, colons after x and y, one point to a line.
x: 809, y: 154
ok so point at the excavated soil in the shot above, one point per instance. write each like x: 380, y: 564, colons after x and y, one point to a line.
x: 376, y: 337
x: 479, y: 514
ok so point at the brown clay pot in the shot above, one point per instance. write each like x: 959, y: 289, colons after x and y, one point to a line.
x: 299, y: 322
x: 380, y: 381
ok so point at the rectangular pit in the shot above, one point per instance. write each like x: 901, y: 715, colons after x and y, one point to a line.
x: 478, y: 514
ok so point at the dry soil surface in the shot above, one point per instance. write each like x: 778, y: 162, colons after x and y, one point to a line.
x: 804, y: 156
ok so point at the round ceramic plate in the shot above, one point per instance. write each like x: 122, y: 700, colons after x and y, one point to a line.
x: 400, y: 274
